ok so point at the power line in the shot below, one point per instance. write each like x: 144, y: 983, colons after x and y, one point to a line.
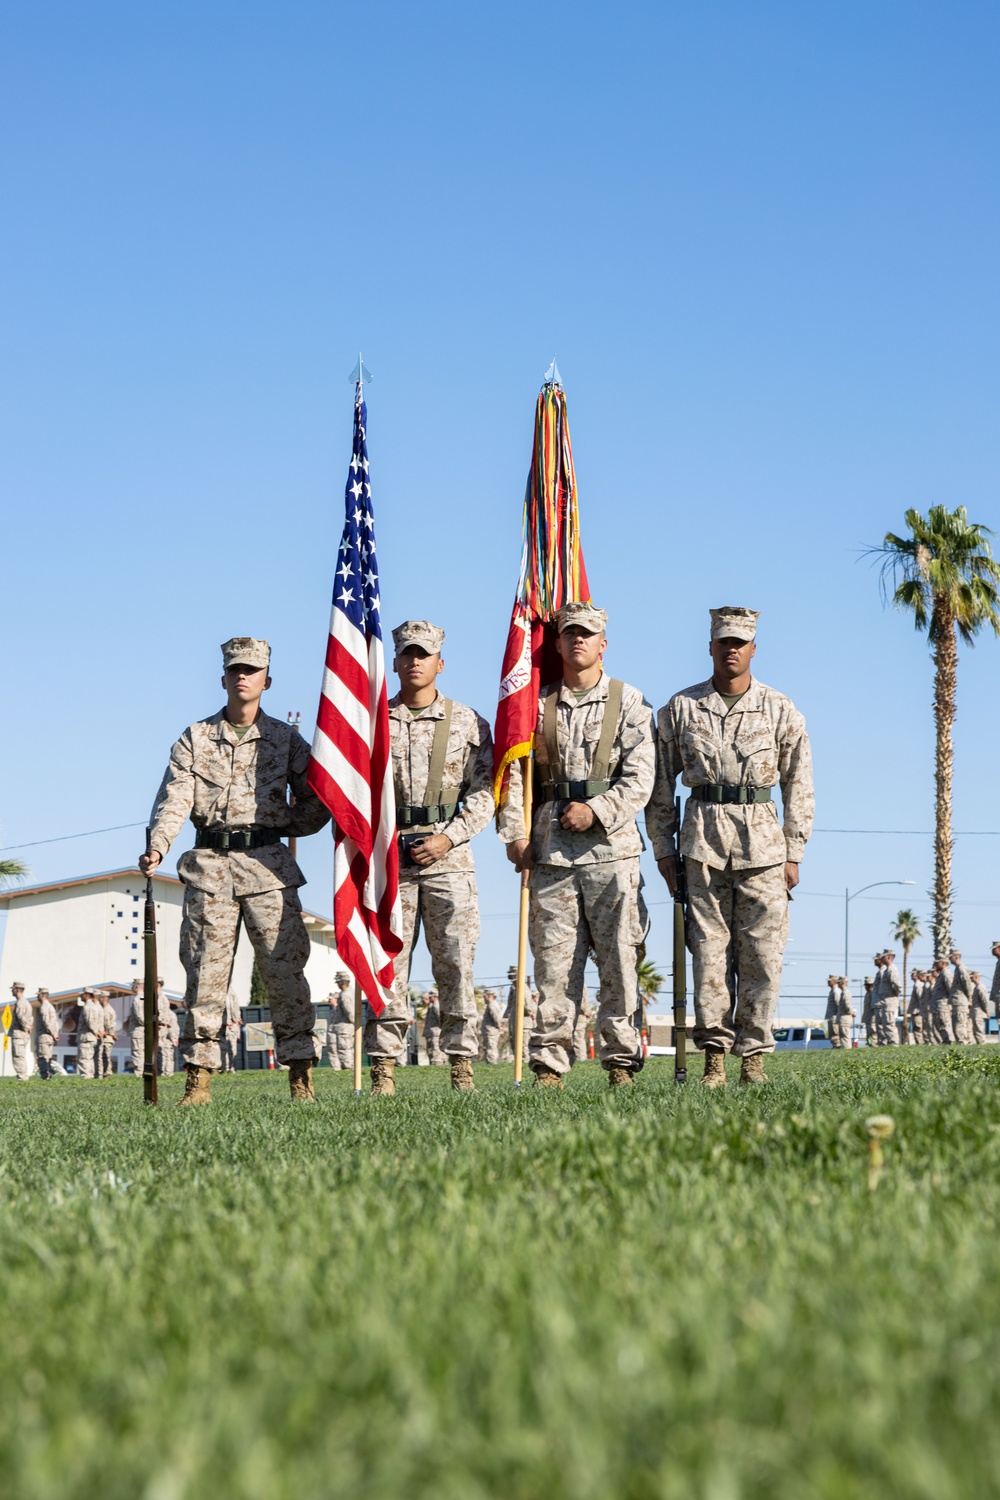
x: 64, y: 837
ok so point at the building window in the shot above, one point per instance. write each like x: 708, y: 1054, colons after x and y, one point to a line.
x: 119, y: 914
x: 135, y: 929
x: 135, y: 945
x: 134, y: 962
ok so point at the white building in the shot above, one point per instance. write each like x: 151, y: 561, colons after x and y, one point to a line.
x: 88, y: 931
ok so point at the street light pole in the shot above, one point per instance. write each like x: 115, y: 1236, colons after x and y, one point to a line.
x: 848, y: 898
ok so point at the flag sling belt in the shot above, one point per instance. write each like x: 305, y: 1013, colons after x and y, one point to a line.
x: 554, y: 789
x: 440, y: 803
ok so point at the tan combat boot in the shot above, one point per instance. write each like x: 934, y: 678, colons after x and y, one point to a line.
x: 547, y: 1078
x: 461, y: 1075
x: 198, y: 1089
x: 383, y: 1082
x: 714, y: 1076
x: 620, y: 1078
x: 752, y: 1070
x: 300, y: 1080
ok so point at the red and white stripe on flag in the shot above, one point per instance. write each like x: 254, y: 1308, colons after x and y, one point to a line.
x: 350, y: 767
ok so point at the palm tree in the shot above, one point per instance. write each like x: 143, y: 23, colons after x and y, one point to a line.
x: 906, y: 931
x: 11, y: 869
x: 946, y: 574
x: 650, y: 983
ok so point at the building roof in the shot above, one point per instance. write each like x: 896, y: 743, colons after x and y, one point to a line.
x: 311, y: 918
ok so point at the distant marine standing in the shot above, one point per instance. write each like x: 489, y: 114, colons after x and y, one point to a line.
x: 960, y: 997
x: 47, y: 1034
x: 108, y: 1037
x: 22, y: 1026
x: 979, y: 1009
x: 135, y: 1026
x: 340, y: 1026
x: 89, y: 1031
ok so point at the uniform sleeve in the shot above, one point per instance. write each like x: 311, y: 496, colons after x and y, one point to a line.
x: 309, y: 814
x: 797, y: 795
x: 510, y: 824
x: 619, y: 805
x: 995, y: 988
x: 661, y: 813
x: 174, y: 800
x: 477, y: 788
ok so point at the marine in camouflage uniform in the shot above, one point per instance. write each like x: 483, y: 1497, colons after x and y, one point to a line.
x: 340, y: 1027
x: 442, y: 765
x: 231, y: 774
x: 916, y: 1007
x: 832, y: 1016
x: 490, y: 1028
x: 47, y: 1034
x: 432, y: 1031
x: 888, y: 1002
x: 110, y: 1032
x: 595, y: 765
x: 135, y: 1027
x: 941, y: 1003
x: 846, y: 1010
x: 979, y: 1009
x: 995, y: 986
x: 232, y: 1025
x: 510, y: 1013
x: 960, y: 997
x: 22, y: 1026
x: 168, y: 1033
x: 868, y: 1011
x: 89, y: 1030
x: 584, y: 1016
x: 732, y: 740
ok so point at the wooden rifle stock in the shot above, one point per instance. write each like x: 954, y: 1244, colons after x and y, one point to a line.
x: 680, y: 962
x: 150, y: 1014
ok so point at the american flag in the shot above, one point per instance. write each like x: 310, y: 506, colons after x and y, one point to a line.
x: 350, y: 767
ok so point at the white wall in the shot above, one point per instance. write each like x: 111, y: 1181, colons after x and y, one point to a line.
x: 92, y: 933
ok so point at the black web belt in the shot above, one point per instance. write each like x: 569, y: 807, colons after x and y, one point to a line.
x: 573, y: 791
x: 423, y: 817
x: 239, y: 840
x: 714, y: 792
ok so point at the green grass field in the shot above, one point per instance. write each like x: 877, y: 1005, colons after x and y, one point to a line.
x: 654, y: 1294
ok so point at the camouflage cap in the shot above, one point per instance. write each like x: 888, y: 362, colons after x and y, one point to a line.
x: 41, y: 990
x: 343, y: 977
x: 17, y: 985
x: 583, y: 613
x: 418, y: 633
x: 245, y: 651
x: 734, y: 620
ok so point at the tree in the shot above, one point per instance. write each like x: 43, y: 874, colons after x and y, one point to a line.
x: 945, y: 572
x: 12, y: 869
x: 650, y: 983
x: 258, y: 989
x: 905, y: 932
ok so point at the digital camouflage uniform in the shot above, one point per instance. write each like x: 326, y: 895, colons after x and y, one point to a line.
x: 585, y: 888
x: 734, y: 854
x: 442, y: 899
x: 22, y: 1026
x: 584, y: 1015
x: 941, y: 1008
x: 867, y: 1013
x: 980, y: 1012
x: 232, y: 1023
x: 838, y: 1018
x: 960, y: 996
x: 491, y: 1029
x: 89, y: 1029
x: 168, y: 1034
x: 530, y: 1013
x: 47, y: 1034
x: 340, y: 1027
x: 887, y: 1008
x: 134, y: 1026
x: 916, y: 1011
x: 995, y: 988
x: 108, y: 1039
x: 222, y: 781
x: 432, y: 1033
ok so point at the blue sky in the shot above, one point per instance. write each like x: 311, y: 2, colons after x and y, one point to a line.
x: 762, y: 241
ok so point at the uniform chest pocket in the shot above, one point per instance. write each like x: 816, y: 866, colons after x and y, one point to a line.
x: 754, y: 741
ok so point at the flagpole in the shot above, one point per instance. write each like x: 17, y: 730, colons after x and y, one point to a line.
x: 522, y: 932
x: 357, y: 1040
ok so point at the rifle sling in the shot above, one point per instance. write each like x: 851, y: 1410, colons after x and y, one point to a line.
x: 602, y: 758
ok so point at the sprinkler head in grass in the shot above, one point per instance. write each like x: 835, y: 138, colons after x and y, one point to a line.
x: 879, y: 1128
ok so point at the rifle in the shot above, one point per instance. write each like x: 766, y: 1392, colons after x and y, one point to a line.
x: 680, y: 962
x: 150, y: 1017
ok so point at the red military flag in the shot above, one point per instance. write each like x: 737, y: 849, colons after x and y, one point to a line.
x: 350, y: 767
x: 552, y: 574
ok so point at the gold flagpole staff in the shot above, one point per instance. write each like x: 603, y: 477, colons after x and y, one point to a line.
x: 522, y: 931
x: 358, y: 1028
